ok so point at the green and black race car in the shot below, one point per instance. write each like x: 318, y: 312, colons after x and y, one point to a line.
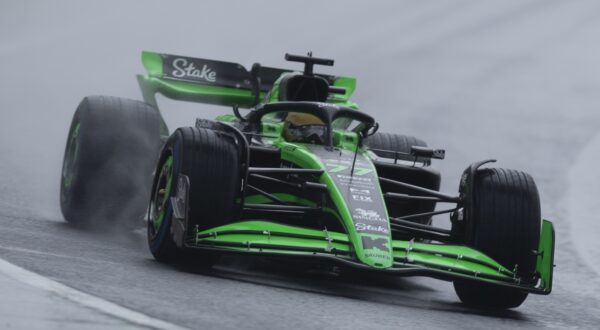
x: 303, y: 174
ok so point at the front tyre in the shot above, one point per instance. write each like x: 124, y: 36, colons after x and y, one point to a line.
x: 211, y: 162
x: 505, y: 225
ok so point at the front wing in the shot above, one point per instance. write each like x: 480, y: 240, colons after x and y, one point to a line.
x: 444, y: 261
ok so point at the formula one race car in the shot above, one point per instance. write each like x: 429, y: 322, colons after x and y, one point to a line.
x: 303, y: 174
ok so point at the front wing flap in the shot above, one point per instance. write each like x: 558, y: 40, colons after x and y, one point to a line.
x: 442, y: 261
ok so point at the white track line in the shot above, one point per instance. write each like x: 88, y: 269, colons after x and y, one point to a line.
x: 583, y: 201
x: 22, y: 275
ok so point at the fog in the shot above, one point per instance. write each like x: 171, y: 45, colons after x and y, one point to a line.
x: 515, y: 80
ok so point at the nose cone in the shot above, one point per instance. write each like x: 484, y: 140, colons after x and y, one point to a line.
x: 359, y: 200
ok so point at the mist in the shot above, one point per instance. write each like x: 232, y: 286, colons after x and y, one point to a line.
x: 517, y: 81
x: 502, y: 62
x: 54, y: 54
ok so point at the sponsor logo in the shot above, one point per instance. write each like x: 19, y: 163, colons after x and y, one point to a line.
x: 328, y: 105
x: 362, y: 198
x: 187, y: 69
x: 348, y: 177
x: 370, y: 228
x: 360, y: 191
x: 377, y: 255
x: 367, y: 213
x: 370, y: 215
x: 375, y: 243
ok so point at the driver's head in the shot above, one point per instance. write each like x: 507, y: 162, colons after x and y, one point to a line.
x: 299, y: 119
x: 303, y: 127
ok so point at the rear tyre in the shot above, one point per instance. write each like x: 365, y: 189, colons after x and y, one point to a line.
x: 211, y: 162
x: 394, y: 142
x: 111, y: 150
x: 505, y: 224
x: 402, y: 144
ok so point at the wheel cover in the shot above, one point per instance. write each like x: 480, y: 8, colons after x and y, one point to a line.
x: 160, y: 195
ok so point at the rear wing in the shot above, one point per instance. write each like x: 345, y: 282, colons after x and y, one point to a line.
x: 215, y: 82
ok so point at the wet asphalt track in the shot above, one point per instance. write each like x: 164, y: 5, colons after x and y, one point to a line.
x: 518, y: 81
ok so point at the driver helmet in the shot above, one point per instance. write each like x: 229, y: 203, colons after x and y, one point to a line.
x: 303, y: 127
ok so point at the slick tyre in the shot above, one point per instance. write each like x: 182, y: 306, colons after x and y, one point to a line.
x: 111, y: 149
x: 210, y: 161
x: 394, y: 142
x: 506, y: 224
x: 401, y: 144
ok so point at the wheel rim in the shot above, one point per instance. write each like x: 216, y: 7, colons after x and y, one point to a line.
x: 68, y: 172
x: 160, y: 195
